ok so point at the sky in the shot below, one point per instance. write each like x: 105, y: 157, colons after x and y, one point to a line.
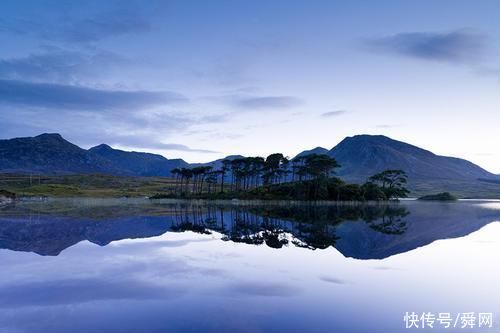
x: 201, y: 80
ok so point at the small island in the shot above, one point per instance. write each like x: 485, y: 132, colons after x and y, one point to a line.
x: 306, y: 178
x: 444, y: 196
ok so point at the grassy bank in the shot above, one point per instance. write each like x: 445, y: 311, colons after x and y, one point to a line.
x: 101, y: 186
x: 107, y: 186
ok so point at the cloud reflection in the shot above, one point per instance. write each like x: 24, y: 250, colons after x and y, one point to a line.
x: 75, y: 291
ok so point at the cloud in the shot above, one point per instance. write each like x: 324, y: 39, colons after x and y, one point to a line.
x: 89, y: 30
x: 488, y: 71
x: 141, y: 141
x: 179, y: 147
x: 267, y: 102
x: 333, y: 113
x: 142, y: 130
x: 386, y: 126
x: 59, y: 65
x: 83, y: 25
x: 69, y: 97
x: 457, y: 46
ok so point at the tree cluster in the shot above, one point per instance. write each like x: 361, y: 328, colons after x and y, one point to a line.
x: 247, y: 173
x: 307, y: 177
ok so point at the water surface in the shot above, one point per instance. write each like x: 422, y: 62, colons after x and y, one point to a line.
x: 172, y: 266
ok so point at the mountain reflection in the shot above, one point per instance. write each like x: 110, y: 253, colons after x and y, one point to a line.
x: 364, y: 231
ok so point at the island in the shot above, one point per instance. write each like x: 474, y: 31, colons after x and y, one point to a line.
x: 308, y: 178
x: 444, y: 196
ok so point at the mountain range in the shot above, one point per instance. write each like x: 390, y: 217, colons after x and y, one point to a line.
x: 360, y: 156
x: 52, y: 154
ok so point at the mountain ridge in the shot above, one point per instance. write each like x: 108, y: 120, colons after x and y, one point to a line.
x: 363, y: 155
x: 138, y: 163
x: 360, y: 156
x: 50, y: 153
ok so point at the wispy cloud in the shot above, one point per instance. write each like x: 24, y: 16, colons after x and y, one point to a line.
x: 102, y: 27
x: 333, y: 280
x: 456, y: 46
x: 150, y: 142
x: 179, y: 147
x: 386, y: 126
x: 69, y: 97
x: 59, y: 65
x: 333, y: 113
x: 267, y: 102
x: 120, y: 18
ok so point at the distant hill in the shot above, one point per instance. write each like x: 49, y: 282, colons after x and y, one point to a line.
x: 364, y: 155
x: 317, y: 150
x: 217, y: 164
x: 137, y: 163
x: 52, y: 154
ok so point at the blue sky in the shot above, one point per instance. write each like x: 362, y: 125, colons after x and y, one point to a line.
x: 204, y: 79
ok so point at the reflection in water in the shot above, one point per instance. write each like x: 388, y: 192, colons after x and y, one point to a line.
x: 365, y: 231
x: 309, y: 226
x: 50, y: 229
x: 186, y: 266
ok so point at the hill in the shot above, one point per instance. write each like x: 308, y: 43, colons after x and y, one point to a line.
x: 317, y: 150
x: 137, y: 163
x: 51, y: 154
x: 364, y: 155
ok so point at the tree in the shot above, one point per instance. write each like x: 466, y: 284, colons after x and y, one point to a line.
x: 299, y: 168
x: 199, y: 174
x: 237, y: 172
x: 186, y: 174
x: 392, y: 182
x: 211, y: 180
x: 226, y: 166
x: 275, y: 166
x: 373, y: 192
x: 176, y: 172
x: 320, y: 166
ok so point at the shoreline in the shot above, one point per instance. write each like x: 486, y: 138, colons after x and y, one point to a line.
x: 250, y: 202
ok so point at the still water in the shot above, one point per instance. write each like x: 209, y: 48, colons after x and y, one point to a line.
x: 174, y: 266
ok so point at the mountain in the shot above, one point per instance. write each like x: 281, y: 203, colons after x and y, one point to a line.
x: 360, y: 157
x: 364, y: 155
x: 217, y: 164
x: 137, y: 163
x: 317, y: 150
x: 52, y: 154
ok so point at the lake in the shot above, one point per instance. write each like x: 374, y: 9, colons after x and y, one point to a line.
x: 131, y: 265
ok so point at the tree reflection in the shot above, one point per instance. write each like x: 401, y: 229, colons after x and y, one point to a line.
x: 308, y: 226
